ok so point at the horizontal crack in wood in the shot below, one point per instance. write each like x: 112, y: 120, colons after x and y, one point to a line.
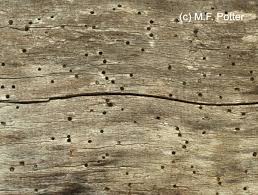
x: 43, y: 100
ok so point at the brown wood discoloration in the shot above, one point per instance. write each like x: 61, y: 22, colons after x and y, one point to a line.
x: 118, y: 97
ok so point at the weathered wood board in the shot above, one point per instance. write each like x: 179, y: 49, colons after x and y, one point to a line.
x: 121, y: 97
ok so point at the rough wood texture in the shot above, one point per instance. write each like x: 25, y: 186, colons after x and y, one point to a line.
x: 118, y: 97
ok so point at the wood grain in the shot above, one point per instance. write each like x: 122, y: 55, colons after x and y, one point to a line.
x: 118, y: 97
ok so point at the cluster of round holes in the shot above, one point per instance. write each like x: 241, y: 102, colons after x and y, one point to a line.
x: 121, y: 88
x: 13, y: 87
x: 68, y: 138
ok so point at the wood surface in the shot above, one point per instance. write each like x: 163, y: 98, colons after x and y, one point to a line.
x: 107, y: 97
